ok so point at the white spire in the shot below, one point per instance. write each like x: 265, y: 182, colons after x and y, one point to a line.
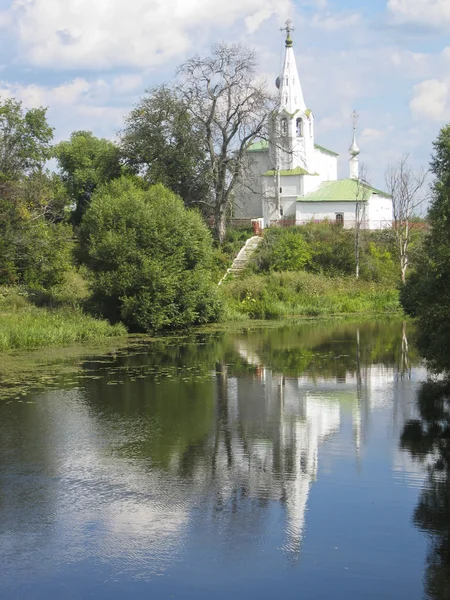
x: 291, y: 95
x: 354, y: 150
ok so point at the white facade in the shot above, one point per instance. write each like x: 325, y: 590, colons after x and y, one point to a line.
x: 291, y: 166
x: 377, y: 213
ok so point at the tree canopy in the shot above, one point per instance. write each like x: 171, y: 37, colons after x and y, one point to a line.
x: 427, y: 293
x: 162, y: 143
x: 149, y: 256
x: 231, y: 107
x: 86, y: 162
x: 34, y: 245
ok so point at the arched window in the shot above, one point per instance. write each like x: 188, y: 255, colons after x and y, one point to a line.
x: 299, y: 127
x: 287, y: 81
x: 310, y: 129
x: 283, y: 126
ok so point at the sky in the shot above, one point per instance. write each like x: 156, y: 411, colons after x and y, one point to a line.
x: 90, y: 61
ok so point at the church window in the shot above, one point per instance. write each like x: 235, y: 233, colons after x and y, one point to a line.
x: 299, y: 127
x: 283, y: 126
x: 340, y: 219
x: 310, y: 129
x: 286, y: 99
x: 287, y: 81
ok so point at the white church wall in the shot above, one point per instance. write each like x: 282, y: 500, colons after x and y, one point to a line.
x: 319, y: 211
x: 380, y: 212
x: 289, y: 206
x: 310, y: 183
x: 249, y: 198
x: 326, y: 166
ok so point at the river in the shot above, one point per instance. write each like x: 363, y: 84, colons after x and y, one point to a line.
x: 275, y: 462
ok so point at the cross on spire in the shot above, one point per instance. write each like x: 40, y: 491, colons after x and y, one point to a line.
x: 288, y: 30
x: 355, y: 118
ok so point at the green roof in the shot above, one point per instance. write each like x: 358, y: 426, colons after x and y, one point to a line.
x: 343, y: 190
x: 288, y: 172
x: 325, y: 150
x: 260, y: 146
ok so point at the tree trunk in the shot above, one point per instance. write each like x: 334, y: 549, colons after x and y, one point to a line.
x: 220, y: 223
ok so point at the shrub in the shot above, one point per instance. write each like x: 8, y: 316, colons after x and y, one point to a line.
x: 149, y: 256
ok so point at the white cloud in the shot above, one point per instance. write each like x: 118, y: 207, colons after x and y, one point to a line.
x: 127, y: 83
x: 431, y: 100
x: 77, y: 104
x: 102, y: 34
x: 435, y: 13
x: 331, y: 22
x: 370, y: 134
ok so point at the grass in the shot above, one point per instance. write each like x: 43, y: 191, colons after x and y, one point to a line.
x: 23, y: 325
x: 295, y: 294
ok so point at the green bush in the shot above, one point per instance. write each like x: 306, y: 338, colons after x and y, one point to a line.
x: 327, y: 248
x: 150, y: 258
x: 36, y: 254
x: 291, y: 253
x: 280, y: 295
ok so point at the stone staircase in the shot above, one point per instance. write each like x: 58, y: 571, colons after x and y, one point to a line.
x: 241, y: 260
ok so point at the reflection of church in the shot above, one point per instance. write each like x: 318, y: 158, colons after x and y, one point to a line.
x: 287, y: 419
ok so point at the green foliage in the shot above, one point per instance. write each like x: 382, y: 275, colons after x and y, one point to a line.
x: 328, y: 249
x: 378, y: 264
x: 161, y: 142
x: 280, y: 295
x: 24, y: 140
x: 23, y: 325
x: 35, y: 253
x: 285, y: 250
x: 86, y: 162
x: 150, y: 258
x: 427, y: 291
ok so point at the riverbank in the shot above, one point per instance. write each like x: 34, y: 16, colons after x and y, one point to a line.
x: 301, y: 294
x: 25, y: 326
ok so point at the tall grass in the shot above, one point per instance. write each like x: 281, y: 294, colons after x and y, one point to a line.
x: 23, y: 325
x: 286, y: 294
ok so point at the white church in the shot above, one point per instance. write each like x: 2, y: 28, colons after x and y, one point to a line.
x: 295, y: 179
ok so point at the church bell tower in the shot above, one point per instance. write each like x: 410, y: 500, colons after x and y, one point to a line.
x: 292, y: 135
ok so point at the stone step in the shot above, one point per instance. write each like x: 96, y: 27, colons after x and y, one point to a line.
x: 241, y: 260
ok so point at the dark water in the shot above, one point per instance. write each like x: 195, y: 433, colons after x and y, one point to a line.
x: 296, y: 462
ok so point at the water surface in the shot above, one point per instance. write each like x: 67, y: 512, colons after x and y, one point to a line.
x: 280, y: 462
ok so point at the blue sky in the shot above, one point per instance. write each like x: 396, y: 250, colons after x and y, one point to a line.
x: 89, y: 61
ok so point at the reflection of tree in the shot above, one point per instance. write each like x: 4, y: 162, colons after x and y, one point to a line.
x: 324, y: 350
x: 428, y: 440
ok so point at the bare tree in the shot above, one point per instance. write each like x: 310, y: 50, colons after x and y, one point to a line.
x: 407, y: 188
x: 231, y: 106
x: 362, y: 195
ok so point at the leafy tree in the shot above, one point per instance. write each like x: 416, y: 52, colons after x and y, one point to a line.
x: 162, y: 143
x: 86, y: 162
x: 33, y: 249
x: 25, y: 139
x: 230, y: 106
x: 427, y: 291
x: 149, y: 256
